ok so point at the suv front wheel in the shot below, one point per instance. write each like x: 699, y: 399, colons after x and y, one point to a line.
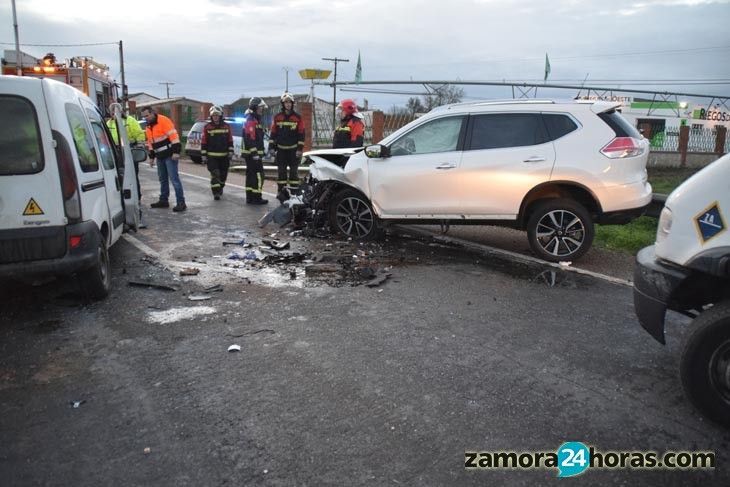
x: 560, y: 230
x: 352, y: 216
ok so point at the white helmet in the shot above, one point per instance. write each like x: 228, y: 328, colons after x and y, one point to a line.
x: 216, y: 110
x: 287, y: 97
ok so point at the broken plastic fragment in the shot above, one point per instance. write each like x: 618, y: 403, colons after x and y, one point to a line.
x: 198, y: 297
x: 77, y: 404
x: 234, y: 348
x: 565, y: 263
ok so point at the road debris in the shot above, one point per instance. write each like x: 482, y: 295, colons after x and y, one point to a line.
x: 77, y: 404
x: 152, y: 285
x: 198, y: 297
x: 189, y: 271
x: 234, y: 348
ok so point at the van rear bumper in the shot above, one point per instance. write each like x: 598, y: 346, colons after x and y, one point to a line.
x: 46, y: 250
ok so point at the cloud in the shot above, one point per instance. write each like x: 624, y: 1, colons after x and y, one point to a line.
x: 217, y: 50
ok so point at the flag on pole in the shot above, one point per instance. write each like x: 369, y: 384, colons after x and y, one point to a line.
x: 358, y: 69
x: 547, y: 67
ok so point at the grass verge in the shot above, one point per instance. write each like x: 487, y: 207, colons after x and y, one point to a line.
x: 629, y: 238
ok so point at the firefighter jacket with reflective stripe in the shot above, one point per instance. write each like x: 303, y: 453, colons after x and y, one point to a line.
x: 287, y: 131
x: 349, y: 134
x: 135, y: 134
x: 253, y: 137
x: 162, y: 138
x: 217, y: 140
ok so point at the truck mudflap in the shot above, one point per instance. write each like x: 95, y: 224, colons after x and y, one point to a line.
x: 654, y: 286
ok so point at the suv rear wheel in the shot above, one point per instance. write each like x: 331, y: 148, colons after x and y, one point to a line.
x: 560, y: 230
x: 352, y: 216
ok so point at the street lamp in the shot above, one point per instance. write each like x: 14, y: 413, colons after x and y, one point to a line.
x: 313, y: 74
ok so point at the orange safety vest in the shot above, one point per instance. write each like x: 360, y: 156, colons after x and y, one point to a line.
x: 162, y: 138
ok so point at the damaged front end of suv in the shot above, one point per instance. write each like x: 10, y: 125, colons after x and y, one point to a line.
x: 332, y: 197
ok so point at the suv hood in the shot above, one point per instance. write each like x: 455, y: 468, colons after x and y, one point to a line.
x: 332, y: 164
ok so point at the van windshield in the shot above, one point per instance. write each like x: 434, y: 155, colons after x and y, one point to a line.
x: 21, y: 150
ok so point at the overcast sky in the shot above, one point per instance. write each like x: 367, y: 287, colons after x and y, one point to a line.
x: 218, y: 50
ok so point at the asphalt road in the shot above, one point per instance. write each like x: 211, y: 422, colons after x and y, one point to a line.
x: 335, y: 383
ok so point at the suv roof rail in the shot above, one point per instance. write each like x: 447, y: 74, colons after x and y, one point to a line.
x: 506, y: 101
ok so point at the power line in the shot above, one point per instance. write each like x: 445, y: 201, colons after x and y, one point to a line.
x: 63, y: 45
x: 562, y: 58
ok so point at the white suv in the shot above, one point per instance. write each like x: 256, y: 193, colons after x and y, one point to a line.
x: 550, y: 167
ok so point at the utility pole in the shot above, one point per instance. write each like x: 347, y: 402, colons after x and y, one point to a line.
x: 124, y: 84
x: 18, y: 55
x: 286, y: 70
x: 334, y: 88
x: 167, y: 85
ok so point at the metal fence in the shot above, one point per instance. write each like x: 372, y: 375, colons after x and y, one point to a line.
x: 323, y: 131
x: 700, y: 140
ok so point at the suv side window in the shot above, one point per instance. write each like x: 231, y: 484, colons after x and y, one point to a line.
x: 620, y: 126
x: 20, y: 141
x: 558, y: 125
x: 499, y: 130
x: 102, y: 139
x: 440, y: 135
x: 82, y: 138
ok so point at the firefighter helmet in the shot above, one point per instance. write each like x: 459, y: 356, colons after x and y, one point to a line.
x: 287, y: 97
x: 256, y: 102
x: 348, y: 106
x: 215, y: 110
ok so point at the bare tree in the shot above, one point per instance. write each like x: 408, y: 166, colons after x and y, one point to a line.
x: 443, y: 95
x: 414, y: 106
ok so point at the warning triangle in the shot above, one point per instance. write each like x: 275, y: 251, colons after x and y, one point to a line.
x: 32, y: 208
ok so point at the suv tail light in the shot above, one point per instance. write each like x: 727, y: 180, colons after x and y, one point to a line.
x: 69, y: 183
x: 621, y: 147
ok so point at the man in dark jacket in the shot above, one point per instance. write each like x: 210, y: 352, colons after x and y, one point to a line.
x: 253, y: 151
x: 216, y: 150
x: 351, y: 130
x: 287, y: 139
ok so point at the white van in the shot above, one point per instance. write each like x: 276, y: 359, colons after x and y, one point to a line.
x: 67, y: 192
x: 688, y: 271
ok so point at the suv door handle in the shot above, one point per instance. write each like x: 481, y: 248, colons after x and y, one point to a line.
x: 446, y: 165
x: 535, y: 159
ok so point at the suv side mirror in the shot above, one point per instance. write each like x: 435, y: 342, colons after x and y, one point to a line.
x: 377, y: 151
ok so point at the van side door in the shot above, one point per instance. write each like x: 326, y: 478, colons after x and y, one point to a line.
x: 112, y: 175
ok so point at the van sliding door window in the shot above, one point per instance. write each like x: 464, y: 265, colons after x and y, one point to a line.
x: 21, y: 149
x: 83, y: 140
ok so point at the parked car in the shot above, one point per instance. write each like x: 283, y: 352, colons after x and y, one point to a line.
x: 66, y: 191
x: 552, y: 168
x: 195, y: 135
x: 688, y: 270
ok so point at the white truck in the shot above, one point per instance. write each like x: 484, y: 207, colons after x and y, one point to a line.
x: 688, y: 271
x: 67, y: 192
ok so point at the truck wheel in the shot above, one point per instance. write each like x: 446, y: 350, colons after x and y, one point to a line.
x: 559, y: 229
x: 352, y: 216
x: 96, y: 282
x: 705, y: 363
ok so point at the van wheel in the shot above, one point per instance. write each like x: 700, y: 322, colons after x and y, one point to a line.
x: 96, y: 282
x: 352, y: 215
x: 196, y: 159
x: 705, y: 363
x: 560, y: 230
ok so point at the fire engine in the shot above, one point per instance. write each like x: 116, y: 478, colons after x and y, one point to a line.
x: 83, y: 73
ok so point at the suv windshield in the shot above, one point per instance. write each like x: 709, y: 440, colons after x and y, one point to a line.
x: 20, y: 141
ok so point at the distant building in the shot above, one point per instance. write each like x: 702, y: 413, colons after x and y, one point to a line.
x: 190, y: 110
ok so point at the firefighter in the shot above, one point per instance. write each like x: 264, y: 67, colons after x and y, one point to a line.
x: 253, y: 151
x: 287, y: 141
x: 216, y: 149
x: 351, y: 130
x: 163, y: 144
